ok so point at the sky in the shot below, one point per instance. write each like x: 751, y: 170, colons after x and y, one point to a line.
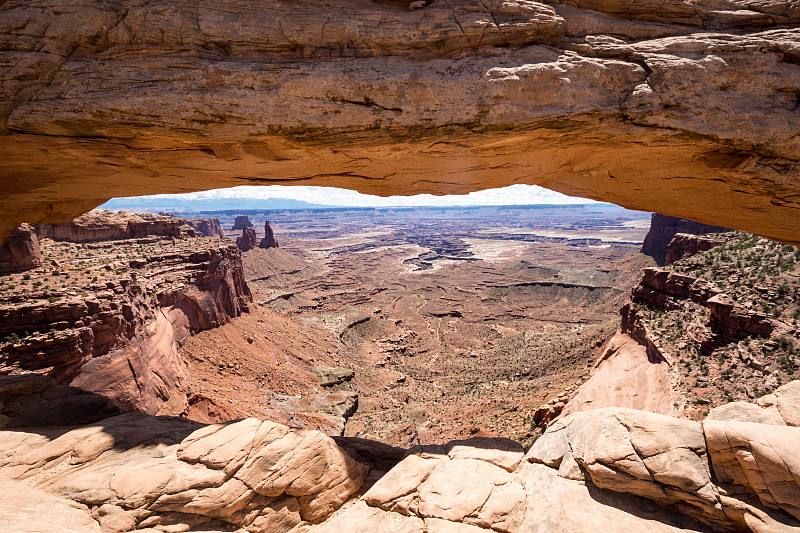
x: 511, y: 195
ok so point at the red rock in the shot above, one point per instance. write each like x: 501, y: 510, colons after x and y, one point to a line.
x: 269, y: 238
x: 241, y: 222
x: 111, y: 225
x: 21, y: 251
x: 248, y: 239
x: 663, y: 228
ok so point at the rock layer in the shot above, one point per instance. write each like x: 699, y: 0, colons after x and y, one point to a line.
x: 693, y: 102
x: 122, y: 341
x: 662, y: 232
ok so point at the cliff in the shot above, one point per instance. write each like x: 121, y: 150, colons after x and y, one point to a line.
x: 714, y: 327
x: 208, y: 227
x: 110, y: 225
x: 114, y: 324
x: 664, y: 228
x: 686, y: 107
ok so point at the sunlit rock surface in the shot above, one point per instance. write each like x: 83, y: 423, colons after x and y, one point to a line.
x: 684, y: 107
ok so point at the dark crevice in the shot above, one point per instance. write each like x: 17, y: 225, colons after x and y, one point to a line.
x: 367, y: 102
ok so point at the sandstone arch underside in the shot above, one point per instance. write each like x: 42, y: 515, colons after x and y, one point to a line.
x: 685, y: 107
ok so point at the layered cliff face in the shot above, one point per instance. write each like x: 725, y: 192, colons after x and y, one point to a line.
x: 683, y: 107
x: 110, y: 225
x: 662, y: 231
x: 109, y: 317
x: 715, y: 327
x: 209, y: 227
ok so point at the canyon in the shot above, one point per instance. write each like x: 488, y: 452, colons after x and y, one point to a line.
x: 112, y: 301
x: 163, y: 380
x: 328, y: 365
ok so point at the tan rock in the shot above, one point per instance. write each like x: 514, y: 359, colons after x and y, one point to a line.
x: 763, y: 459
x: 692, y: 100
x: 24, y: 510
x: 143, y: 471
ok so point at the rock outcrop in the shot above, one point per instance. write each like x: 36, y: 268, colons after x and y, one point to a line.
x: 135, y: 471
x: 687, y: 107
x: 118, y: 336
x: 248, y: 239
x: 628, y: 470
x: 20, y: 251
x: 208, y: 227
x: 241, y: 222
x: 686, y: 245
x: 111, y: 225
x: 662, y: 231
x: 269, y: 239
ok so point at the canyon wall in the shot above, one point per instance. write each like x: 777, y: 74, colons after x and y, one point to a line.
x: 120, y: 337
x: 664, y: 228
x: 685, y: 107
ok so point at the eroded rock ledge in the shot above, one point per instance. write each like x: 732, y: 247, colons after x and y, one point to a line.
x: 683, y: 107
x: 628, y: 470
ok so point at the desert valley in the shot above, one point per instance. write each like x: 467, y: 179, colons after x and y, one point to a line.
x: 395, y: 331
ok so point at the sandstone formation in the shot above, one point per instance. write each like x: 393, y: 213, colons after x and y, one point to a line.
x: 117, y: 329
x: 20, y: 251
x: 248, y: 239
x: 662, y: 231
x: 712, y: 328
x: 160, y: 473
x: 241, y: 222
x: 685, y: 245
x: 269, y: 239
x: 625, y: 469
x: 209, y: 227
x: 687, y: 107
x: 111, y: 225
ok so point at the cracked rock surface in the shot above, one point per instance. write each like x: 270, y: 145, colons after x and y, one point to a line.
x: 688, y: 107
x: 625, y: 469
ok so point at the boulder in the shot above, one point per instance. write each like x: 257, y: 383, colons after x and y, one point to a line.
x: 21, y: 251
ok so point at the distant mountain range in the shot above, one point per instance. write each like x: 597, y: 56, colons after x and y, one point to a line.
x: 177, y: 205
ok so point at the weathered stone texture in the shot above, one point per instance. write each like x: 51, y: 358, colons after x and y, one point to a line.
x: 683, y: 107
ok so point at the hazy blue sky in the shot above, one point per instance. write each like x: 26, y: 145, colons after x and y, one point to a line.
x: 512, y: 195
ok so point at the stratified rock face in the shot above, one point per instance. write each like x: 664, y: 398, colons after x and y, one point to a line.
x: 121, y: 340
x: 269, y: 238
x: 21, y: 251
x: 209, y: 227
x: 248, y: 239
x: 662, y: 230
x: 241, y: 222
x: 682, y: 106
x: 111, y: 225
x: 685, y: 245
